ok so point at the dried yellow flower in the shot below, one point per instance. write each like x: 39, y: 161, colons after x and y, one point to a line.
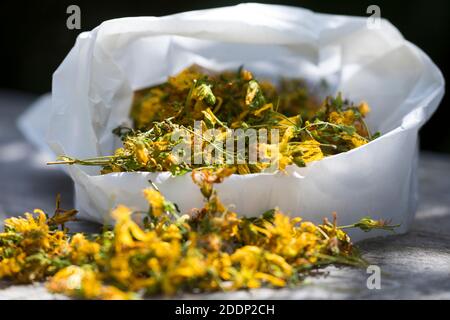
x: 212, y: 249
x: 200, y: 99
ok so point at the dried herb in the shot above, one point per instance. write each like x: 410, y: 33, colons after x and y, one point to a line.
x: 165, y: 253
x: 164, y: 117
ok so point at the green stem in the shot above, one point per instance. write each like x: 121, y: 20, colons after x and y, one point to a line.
x: 97, y: 161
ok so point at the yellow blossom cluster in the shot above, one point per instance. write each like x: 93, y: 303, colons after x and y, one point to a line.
x: 210, y: 249
x: 203, y: 113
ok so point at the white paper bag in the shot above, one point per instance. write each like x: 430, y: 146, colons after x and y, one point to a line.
x: 93, y: 89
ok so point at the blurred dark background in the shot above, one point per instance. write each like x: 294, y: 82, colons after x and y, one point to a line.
x: 35, y: 39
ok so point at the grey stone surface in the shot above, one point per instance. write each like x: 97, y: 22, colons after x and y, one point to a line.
x: 414, y: 266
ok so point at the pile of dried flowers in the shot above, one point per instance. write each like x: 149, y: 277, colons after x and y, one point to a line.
x: 164, y: 253
x: 164, y: 117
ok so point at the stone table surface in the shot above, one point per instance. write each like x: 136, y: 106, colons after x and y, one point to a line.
x: 415, y: 265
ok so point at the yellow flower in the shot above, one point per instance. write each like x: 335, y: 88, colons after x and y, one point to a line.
x: 113, y: 293
x: 279, y: 261
x: 83, y: 250
x: 149, y: 108
x: 167, y: 252
x: 277, y: 282
x: 245, y: 278
x: 246, y: 75
x: 311, y: 150
x: 12, y: 266
x: 212, y: 249
x: 355, y: 140
x: 155, y: 200
x: 185, y: 78
x: 84, y: 283
x: 154, y: 265
x: 126, y: 231
x: 77, y: 281
x: 120, y: 268
x: 247, y: 256
x: 336, y: 118
x: 30, y: 223
x: 364, y: 108
x: 349, y: 117
x: 190, y: 267
x: 172, y: 232
x: 141, y: 153
x: 220, y: 263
